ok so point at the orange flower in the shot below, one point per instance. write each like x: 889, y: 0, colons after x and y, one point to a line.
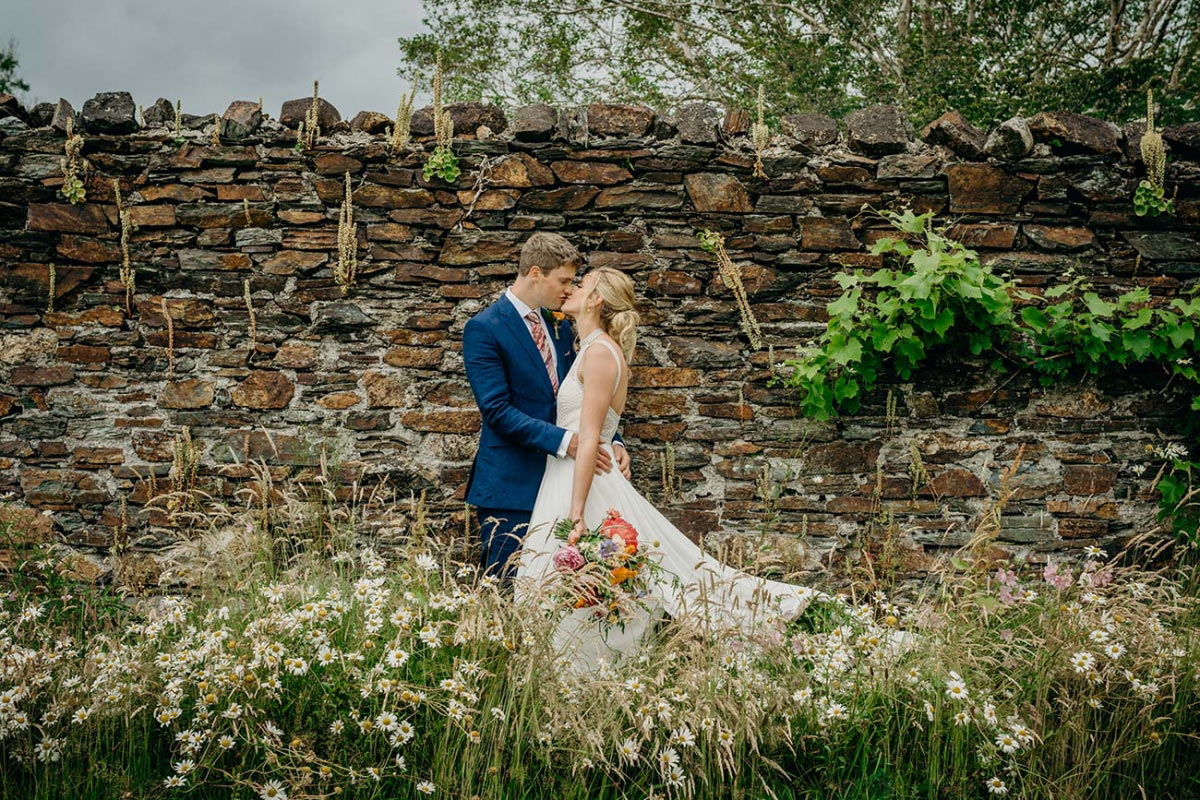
x: 622, y: 574
x: 559, y: 316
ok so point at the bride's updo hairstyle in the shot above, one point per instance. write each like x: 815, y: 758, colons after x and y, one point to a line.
x: 617, y: 315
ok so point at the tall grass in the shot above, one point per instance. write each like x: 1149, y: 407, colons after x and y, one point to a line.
x: 311, y: 652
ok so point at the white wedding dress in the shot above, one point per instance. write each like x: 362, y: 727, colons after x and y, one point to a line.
x: 715, y: 597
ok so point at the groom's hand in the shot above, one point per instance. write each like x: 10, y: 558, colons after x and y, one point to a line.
x: 623, y: 464
x: 603, y: 462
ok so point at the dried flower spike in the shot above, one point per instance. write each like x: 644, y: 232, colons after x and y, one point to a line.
x: 759, y: 136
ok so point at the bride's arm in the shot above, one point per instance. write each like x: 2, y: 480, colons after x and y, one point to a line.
x: 599, y: 380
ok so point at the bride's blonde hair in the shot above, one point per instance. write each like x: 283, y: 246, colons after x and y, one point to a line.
x: 618, y: 316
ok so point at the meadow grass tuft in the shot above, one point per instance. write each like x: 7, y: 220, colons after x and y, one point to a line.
x: 307, y: 653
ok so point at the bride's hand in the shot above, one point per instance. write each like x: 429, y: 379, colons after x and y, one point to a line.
x: 577, y: 531
x: 603, y: 459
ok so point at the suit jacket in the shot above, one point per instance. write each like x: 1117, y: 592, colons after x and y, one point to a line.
x: 517, y: 403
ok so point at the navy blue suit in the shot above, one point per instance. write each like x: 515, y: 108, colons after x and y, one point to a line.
x: 517, y: 403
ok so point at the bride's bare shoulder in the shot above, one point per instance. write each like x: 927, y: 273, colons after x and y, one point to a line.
x: 614, y: 350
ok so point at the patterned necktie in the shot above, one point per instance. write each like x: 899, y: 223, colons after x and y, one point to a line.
x: 539, y: 338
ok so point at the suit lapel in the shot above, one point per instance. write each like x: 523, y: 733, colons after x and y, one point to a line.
x: 519, y: 331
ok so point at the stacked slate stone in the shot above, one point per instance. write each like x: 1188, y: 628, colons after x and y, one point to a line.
x: 92, y: 398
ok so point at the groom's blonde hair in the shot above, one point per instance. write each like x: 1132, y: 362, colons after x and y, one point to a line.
x: 547, y: 250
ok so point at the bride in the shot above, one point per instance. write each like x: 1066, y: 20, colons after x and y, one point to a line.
x: 693, y: 588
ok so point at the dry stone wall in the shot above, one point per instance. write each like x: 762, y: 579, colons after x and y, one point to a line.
x: 94, y: 396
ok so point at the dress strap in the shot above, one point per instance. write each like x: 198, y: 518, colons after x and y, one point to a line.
x: 612, y: 350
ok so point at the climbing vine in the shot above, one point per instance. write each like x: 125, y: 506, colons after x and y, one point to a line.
x: 898, y: 315
x: 1178, y: 484
x: 943, y: 297
x: 1081, y: 330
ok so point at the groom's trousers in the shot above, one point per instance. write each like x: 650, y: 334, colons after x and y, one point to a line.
x: 500, y: 532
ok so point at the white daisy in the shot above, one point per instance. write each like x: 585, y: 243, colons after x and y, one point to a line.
x: 683, y: 736
x: 272, y: 790
x: 1083, y: 661
x: 396, y: 657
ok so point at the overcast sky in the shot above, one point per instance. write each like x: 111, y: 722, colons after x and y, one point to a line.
x: 212, y: 52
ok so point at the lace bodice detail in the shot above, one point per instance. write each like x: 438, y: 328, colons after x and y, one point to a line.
x: 570, y: 393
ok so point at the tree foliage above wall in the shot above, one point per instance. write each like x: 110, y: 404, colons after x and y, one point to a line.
x: 990, y: 59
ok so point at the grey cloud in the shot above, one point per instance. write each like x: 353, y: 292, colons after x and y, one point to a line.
x: 211, y: 53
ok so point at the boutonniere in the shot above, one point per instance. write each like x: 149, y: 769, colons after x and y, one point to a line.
x: 553, y: 318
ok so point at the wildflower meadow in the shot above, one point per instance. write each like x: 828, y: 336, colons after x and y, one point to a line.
x: 303, y: 657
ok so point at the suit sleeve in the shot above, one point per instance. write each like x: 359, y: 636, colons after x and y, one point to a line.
x: 489, y: 384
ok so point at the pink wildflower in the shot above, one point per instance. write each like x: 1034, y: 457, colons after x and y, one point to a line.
x: 1059, y: 580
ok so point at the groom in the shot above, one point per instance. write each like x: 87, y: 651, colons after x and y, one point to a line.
x: 516, y: 355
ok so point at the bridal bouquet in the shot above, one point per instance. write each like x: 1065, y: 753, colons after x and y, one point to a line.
x: 606, y: 569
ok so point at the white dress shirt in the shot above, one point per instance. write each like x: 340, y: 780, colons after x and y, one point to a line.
x: 522, y: 310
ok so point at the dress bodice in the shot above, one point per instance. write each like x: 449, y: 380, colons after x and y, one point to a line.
x: 570, y: 393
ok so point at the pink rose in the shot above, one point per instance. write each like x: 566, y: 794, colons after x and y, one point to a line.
x: 568, y: 559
